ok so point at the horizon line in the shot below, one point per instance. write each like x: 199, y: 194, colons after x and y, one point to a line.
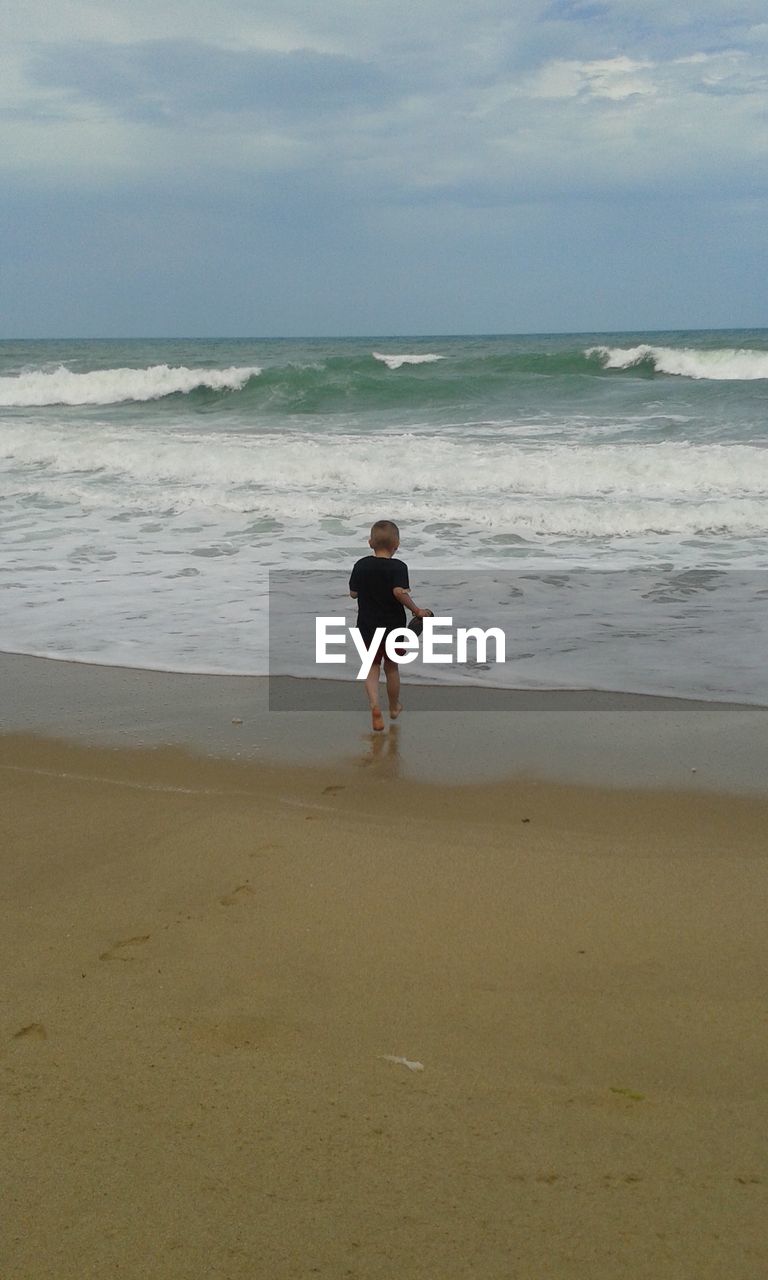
x: 366, y: 337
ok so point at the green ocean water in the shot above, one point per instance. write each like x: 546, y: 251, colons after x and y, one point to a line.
x: 493, y: 375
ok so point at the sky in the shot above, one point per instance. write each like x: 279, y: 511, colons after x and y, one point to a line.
x: 286, y: 168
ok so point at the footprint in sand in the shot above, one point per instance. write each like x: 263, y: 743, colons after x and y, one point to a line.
x: 330, y: 791
x: 33, y: 1031
x: 123, y: 949
x: 237, y: 1031
x: 239, y: 894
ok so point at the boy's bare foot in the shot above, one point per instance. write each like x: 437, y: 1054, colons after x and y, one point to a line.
x: 394, y: 712
x: 377, y: 719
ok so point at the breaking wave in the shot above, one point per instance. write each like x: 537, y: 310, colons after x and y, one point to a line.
x: 114, y: 386
x: 397, y: 362
x: 726, y: 365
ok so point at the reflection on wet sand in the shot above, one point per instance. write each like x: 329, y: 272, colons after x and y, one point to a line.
x: 383, y: 751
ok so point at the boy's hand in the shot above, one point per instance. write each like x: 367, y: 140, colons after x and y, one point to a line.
x: 423, y: 613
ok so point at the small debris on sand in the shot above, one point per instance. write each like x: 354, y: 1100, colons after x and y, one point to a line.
x: 403, y: 1062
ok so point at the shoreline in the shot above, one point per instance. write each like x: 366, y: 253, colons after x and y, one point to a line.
x: 463, y: 689
x: 573, y: 736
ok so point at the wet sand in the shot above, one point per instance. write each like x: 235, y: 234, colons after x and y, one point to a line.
x: 446, y: 736
x: 210, y: 963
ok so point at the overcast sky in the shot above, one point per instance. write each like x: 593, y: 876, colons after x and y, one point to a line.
x: 297, y: 167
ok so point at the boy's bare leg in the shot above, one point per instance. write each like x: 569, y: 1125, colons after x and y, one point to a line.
x: 372, y: 690
x: 392, y: 672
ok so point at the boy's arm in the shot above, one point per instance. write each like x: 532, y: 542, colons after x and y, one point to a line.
x: 403, y: 597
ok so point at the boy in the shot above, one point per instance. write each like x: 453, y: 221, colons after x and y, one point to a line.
x: 379, y: 583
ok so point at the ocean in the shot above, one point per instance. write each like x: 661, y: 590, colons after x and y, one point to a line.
x: 610, y: 492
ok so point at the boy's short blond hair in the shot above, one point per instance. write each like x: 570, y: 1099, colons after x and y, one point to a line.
x: 385, y: 535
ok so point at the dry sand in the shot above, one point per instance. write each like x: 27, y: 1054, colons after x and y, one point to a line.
x: 206, y: 965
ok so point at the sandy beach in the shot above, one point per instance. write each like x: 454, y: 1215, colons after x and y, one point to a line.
x: 319, y: 323
x: 292, y: 1019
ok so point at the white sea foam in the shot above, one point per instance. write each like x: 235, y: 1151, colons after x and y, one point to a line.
x: 531, y: 518
x: 727, y: 364
x: 247, y: 473
x: 395, y: 362
x: 113, y: 386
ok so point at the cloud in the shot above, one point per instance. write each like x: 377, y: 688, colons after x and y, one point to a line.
x: 297, y: 155
x: 611, y: 78
x: 576, y: 11
x: 411, y: 103
x: 615, y: 79
x: 165, y: 80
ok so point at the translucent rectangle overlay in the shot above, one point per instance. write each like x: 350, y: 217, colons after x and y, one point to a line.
x: 700, y: 635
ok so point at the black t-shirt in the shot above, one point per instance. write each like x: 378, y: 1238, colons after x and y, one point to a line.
x: 374, y: 578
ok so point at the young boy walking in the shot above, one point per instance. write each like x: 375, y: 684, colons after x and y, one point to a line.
x: 380, y: 585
